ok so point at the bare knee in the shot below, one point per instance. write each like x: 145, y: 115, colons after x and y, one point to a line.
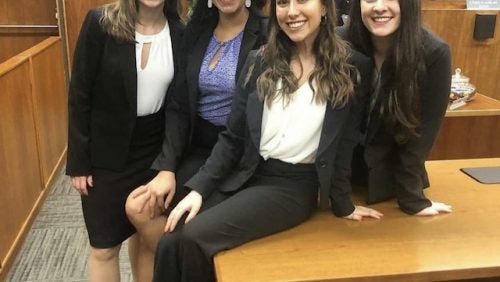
x: 105, y: 255
x: 136, y: 213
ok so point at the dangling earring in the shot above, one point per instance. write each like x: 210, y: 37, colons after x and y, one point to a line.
x: 209, y: 3
x: 323, y: 19
x: 248, y: 3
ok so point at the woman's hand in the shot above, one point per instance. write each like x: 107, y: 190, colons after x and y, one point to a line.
x: 81, y: 183
x: 157, y: 194
x: 360, y: 212
x: 191, y: 203
x: 435, y: 209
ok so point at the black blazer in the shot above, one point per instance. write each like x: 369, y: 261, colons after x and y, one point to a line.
x: 103, y: 97
x: 399, y: 170
x: 236, y: 155
x: 181, y: 112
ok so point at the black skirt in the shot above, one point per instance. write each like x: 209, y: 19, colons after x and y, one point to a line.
x: 104, y: 207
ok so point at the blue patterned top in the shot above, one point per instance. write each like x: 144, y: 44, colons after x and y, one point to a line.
x: 217, y: 85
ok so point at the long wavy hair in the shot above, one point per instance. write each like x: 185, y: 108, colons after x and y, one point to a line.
x: 119, y: 18
x: 402, y: 68
x: 333, y: 75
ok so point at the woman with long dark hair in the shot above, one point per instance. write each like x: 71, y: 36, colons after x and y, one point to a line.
x: 292, y: 127
x: 216, y: 43
x: 123, y: 66
x: 409, y: 96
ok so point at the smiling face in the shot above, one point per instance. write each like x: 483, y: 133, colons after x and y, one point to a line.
x: 381, y: 17
x: 300, y: 19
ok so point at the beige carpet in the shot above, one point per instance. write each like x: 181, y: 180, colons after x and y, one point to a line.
x: 56, y: 247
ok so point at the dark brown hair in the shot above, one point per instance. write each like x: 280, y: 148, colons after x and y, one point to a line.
x: 402, y: 68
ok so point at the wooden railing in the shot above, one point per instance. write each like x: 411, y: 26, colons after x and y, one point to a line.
x: 33, y: 118
x: 25, y: 23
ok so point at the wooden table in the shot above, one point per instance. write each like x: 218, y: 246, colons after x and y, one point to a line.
x: 472, y: 131
x: 399, y: 247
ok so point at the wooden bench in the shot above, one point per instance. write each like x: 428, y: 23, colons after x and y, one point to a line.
x: 461, y: 245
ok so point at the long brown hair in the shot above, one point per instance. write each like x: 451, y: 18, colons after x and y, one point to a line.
x: 118, y: 18
x: 333, y: 74
x: 402, y: 68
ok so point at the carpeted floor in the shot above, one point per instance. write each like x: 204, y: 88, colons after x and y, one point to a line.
x: 56, y: 247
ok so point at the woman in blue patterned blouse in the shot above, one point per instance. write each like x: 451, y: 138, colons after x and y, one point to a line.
x: 216, y: 42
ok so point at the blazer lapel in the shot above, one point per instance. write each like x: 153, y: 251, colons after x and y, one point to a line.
x: 248, y: 41
x: 333, y: 122
x: 176, y: 39
x: 254, y: 112
x: 193, y: 66
x: 129, y: 72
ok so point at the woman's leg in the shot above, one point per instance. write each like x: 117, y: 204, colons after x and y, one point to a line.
x: 149, y: 229
x: 267, y: 206
x: 103, y: 264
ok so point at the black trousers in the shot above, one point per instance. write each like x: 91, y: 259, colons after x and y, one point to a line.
x: 278, y: 197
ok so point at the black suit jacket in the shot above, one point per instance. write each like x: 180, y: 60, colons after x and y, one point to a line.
x: 236, y: 155
x: 399, y: 169
x: 181, y: 112
x: 103, y: 97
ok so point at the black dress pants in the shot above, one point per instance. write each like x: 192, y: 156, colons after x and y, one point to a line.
x: 278, y: 197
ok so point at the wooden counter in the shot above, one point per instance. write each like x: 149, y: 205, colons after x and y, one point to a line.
x: 480, y: 106
x: 463, y: 244
x: 471, y: 131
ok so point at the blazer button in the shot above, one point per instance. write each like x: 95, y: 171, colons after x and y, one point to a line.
x: 322, y: 163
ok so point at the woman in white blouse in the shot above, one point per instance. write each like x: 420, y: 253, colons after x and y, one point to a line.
x: 294, y: 122
x: 123, y: 67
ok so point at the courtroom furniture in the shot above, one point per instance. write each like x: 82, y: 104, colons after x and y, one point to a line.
x: 33, y: 121
x: 462, y: 245
x: 471, y: 131
x: 22, y: 27
x: 477, y: 58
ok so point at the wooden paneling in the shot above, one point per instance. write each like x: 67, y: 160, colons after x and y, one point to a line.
x: 11, y: 45
x: 19, y: 164
x: 74, y: 14
x: 49, y: 94
x: 461, y: 245
x: 28, y: 12
x: 14, y: 40
x: 443, y: 4
x: 478, y: 59
x: 33, y: 122
x: 471, y: 131
x: 468, y: 137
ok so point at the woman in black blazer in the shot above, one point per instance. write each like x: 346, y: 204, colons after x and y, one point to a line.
x: 409, y: 97
x: 216, y: 44
x: 122, y: 68
x: 292, y: 128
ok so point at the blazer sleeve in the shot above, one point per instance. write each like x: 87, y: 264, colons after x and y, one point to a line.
x: 412, y: 155
x: 86, y: 63
x: 351, y: 135
x: 177, y: 124
x: 229, y: 148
